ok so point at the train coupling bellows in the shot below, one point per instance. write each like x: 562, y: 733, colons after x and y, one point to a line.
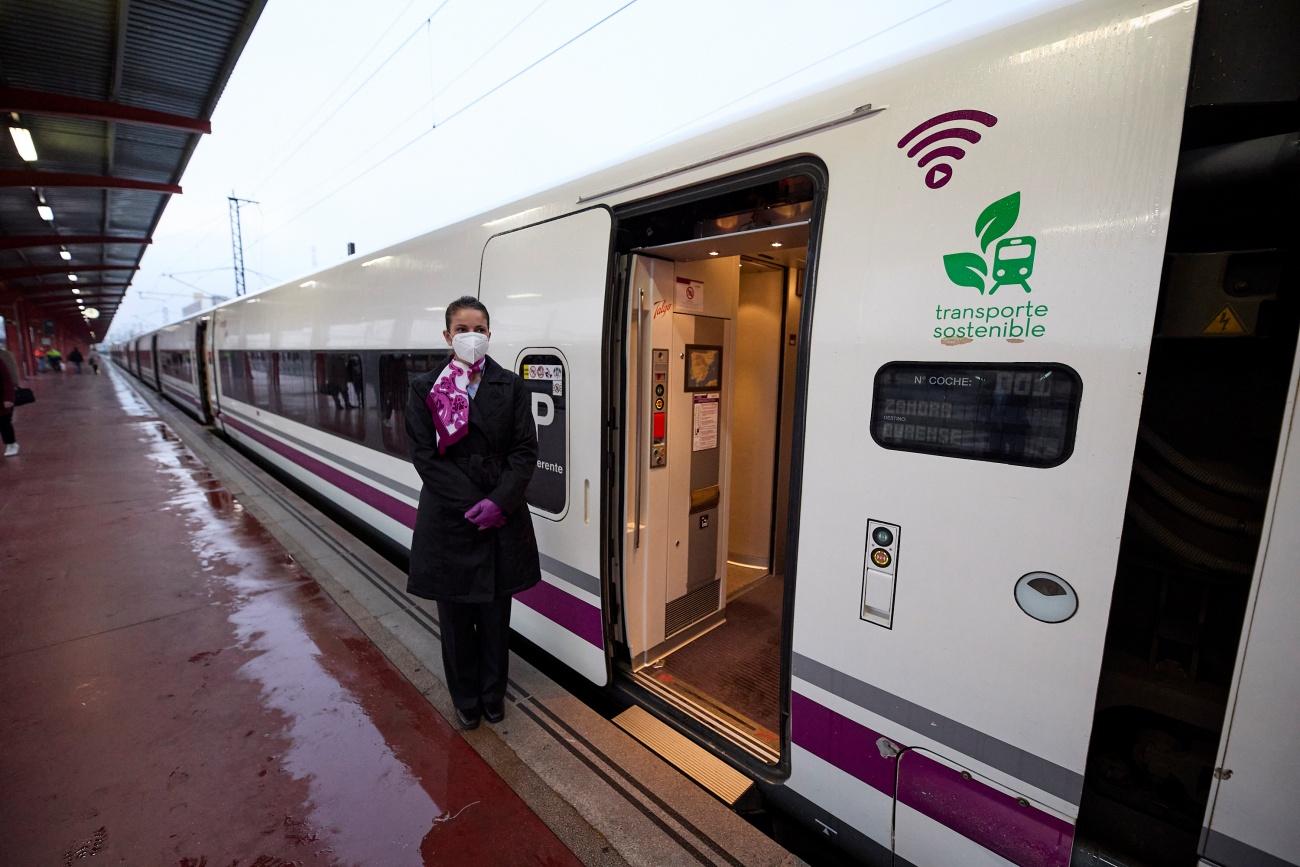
x: 719, y: 778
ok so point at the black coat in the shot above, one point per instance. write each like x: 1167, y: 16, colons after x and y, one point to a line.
x: 452, y: 560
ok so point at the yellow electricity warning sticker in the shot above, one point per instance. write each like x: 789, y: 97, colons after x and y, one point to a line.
x: 1225, y: 322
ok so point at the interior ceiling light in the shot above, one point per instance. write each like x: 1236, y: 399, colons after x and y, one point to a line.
x: 713, y: 252
x: 72, y: 278
x: 45, y: 212
x: 76, y: 291
x: 23, y: 141
x: 776, y: 243
x: 65, y: 255
x: 92, y: 313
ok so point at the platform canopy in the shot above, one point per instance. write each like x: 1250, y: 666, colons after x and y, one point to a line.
x: 104, y: 102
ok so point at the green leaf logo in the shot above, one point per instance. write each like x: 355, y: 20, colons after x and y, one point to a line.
x: 966, y: 269
x: 996, y: 220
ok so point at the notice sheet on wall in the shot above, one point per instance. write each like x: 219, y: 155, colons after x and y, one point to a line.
x: 690, y: 294
x: 704, y: 421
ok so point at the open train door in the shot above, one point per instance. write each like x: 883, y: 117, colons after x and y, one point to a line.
x: 545, y: 288
x: 1251, y: 818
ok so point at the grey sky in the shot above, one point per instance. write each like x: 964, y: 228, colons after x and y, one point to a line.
x: 329, y: 118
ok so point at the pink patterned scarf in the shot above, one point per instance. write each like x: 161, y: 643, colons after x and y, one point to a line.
x: 448, y: 402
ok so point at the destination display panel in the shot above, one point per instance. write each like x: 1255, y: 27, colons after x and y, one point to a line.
x: 1022, y: 414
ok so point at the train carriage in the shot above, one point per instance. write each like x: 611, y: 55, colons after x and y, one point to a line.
x: 179, y: 370
x: 875, y: 448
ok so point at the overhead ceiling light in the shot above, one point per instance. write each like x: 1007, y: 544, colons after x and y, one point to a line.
x: 375, y: 261
x: 23, y: 141
x: 45, y: 212
x: 310, y: 284
x: 72, y: 278
x: 776, y: 243
x: 65, y: 255
x: 76, y: 291
x: 519, y: 295
x: 713, y: 252
x: 92, y: 313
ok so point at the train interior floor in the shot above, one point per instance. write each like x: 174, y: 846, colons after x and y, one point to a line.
x: 735, y: 668
x: 199, y: 667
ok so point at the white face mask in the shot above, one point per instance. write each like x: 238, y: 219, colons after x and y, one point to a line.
x: 469, y: 346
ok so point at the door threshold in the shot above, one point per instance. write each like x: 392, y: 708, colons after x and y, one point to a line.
x: 730, y: 725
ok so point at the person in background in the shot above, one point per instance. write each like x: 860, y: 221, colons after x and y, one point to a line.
x: 41, y: 364
x: 8, y: 386
x: 474, y: 443
x: 94, y: 362
x: 75, y: 358
x: 55, y: 359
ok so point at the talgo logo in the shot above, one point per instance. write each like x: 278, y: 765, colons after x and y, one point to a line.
x: 1011, y: 263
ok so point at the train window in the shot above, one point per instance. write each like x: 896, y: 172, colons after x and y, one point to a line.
x: 395, y: 372
x: 295, y: 397
x: 1022, y: 414
x: 545, y: 376
x: 236, y: 377
x: 177, y: 365
x: 339, y: 393
x: 258, y: 365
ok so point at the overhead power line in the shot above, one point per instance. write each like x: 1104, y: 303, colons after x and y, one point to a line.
x: 459, y: 111
x: 310, y: 136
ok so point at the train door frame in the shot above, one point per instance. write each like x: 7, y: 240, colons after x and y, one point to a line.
x: 201, y: 373
x: 153, y: 350
x: 619, y: 413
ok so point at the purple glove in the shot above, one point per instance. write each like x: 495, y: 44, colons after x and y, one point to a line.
x: 486, y: 515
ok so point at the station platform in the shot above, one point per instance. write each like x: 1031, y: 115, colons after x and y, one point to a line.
x: 201, y: 669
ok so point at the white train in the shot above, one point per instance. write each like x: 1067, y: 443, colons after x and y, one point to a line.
x: 877, y: 456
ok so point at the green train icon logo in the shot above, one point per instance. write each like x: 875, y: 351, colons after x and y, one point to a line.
x: 1013, y: 257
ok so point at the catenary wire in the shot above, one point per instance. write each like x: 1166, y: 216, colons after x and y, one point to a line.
x: 466, y: 107
x: 311, y: 136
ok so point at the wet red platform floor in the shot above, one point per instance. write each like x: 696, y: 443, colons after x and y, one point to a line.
x: 178, y: 692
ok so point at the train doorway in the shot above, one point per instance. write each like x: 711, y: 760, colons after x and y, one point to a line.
x: 714, y: 327
x: 202, y: 364
x: 1220, y: 375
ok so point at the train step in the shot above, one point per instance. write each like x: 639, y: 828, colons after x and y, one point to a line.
x: 716, y: 776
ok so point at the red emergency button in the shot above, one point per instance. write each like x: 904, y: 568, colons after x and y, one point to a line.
x: 660, y: 426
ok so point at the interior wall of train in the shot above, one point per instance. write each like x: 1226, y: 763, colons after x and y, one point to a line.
x: 1220, y: 375
x: 713, y: 327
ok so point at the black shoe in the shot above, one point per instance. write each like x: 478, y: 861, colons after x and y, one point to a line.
x: 467, y: 720
x: 495, y: 711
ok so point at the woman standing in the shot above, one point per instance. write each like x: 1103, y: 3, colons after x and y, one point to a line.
x: 474, y: 444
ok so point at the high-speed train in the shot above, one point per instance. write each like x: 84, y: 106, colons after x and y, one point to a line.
x: 924, y: 449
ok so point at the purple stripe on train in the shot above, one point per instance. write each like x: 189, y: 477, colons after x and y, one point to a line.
x: 569, y: 611
x: 394, y: 508
x: 1022, y: 834
x: 185, y: 396
x: 566, y: 610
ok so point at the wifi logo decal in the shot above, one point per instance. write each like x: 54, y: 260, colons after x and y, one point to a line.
x: 937, y: 148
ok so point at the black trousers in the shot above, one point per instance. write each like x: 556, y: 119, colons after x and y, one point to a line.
x: 475, y: 650
x: 7, y: 428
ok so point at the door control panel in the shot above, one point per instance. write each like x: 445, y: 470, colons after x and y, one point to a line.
x: 879, y: 573
x: 659, y: 408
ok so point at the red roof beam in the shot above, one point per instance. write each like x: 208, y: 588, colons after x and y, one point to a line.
x: 69, y: 268
x: 23, y: 178
x: 60, y: 105
x: 24, y: 242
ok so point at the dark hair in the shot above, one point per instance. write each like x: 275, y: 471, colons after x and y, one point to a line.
x: 467, y: 302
